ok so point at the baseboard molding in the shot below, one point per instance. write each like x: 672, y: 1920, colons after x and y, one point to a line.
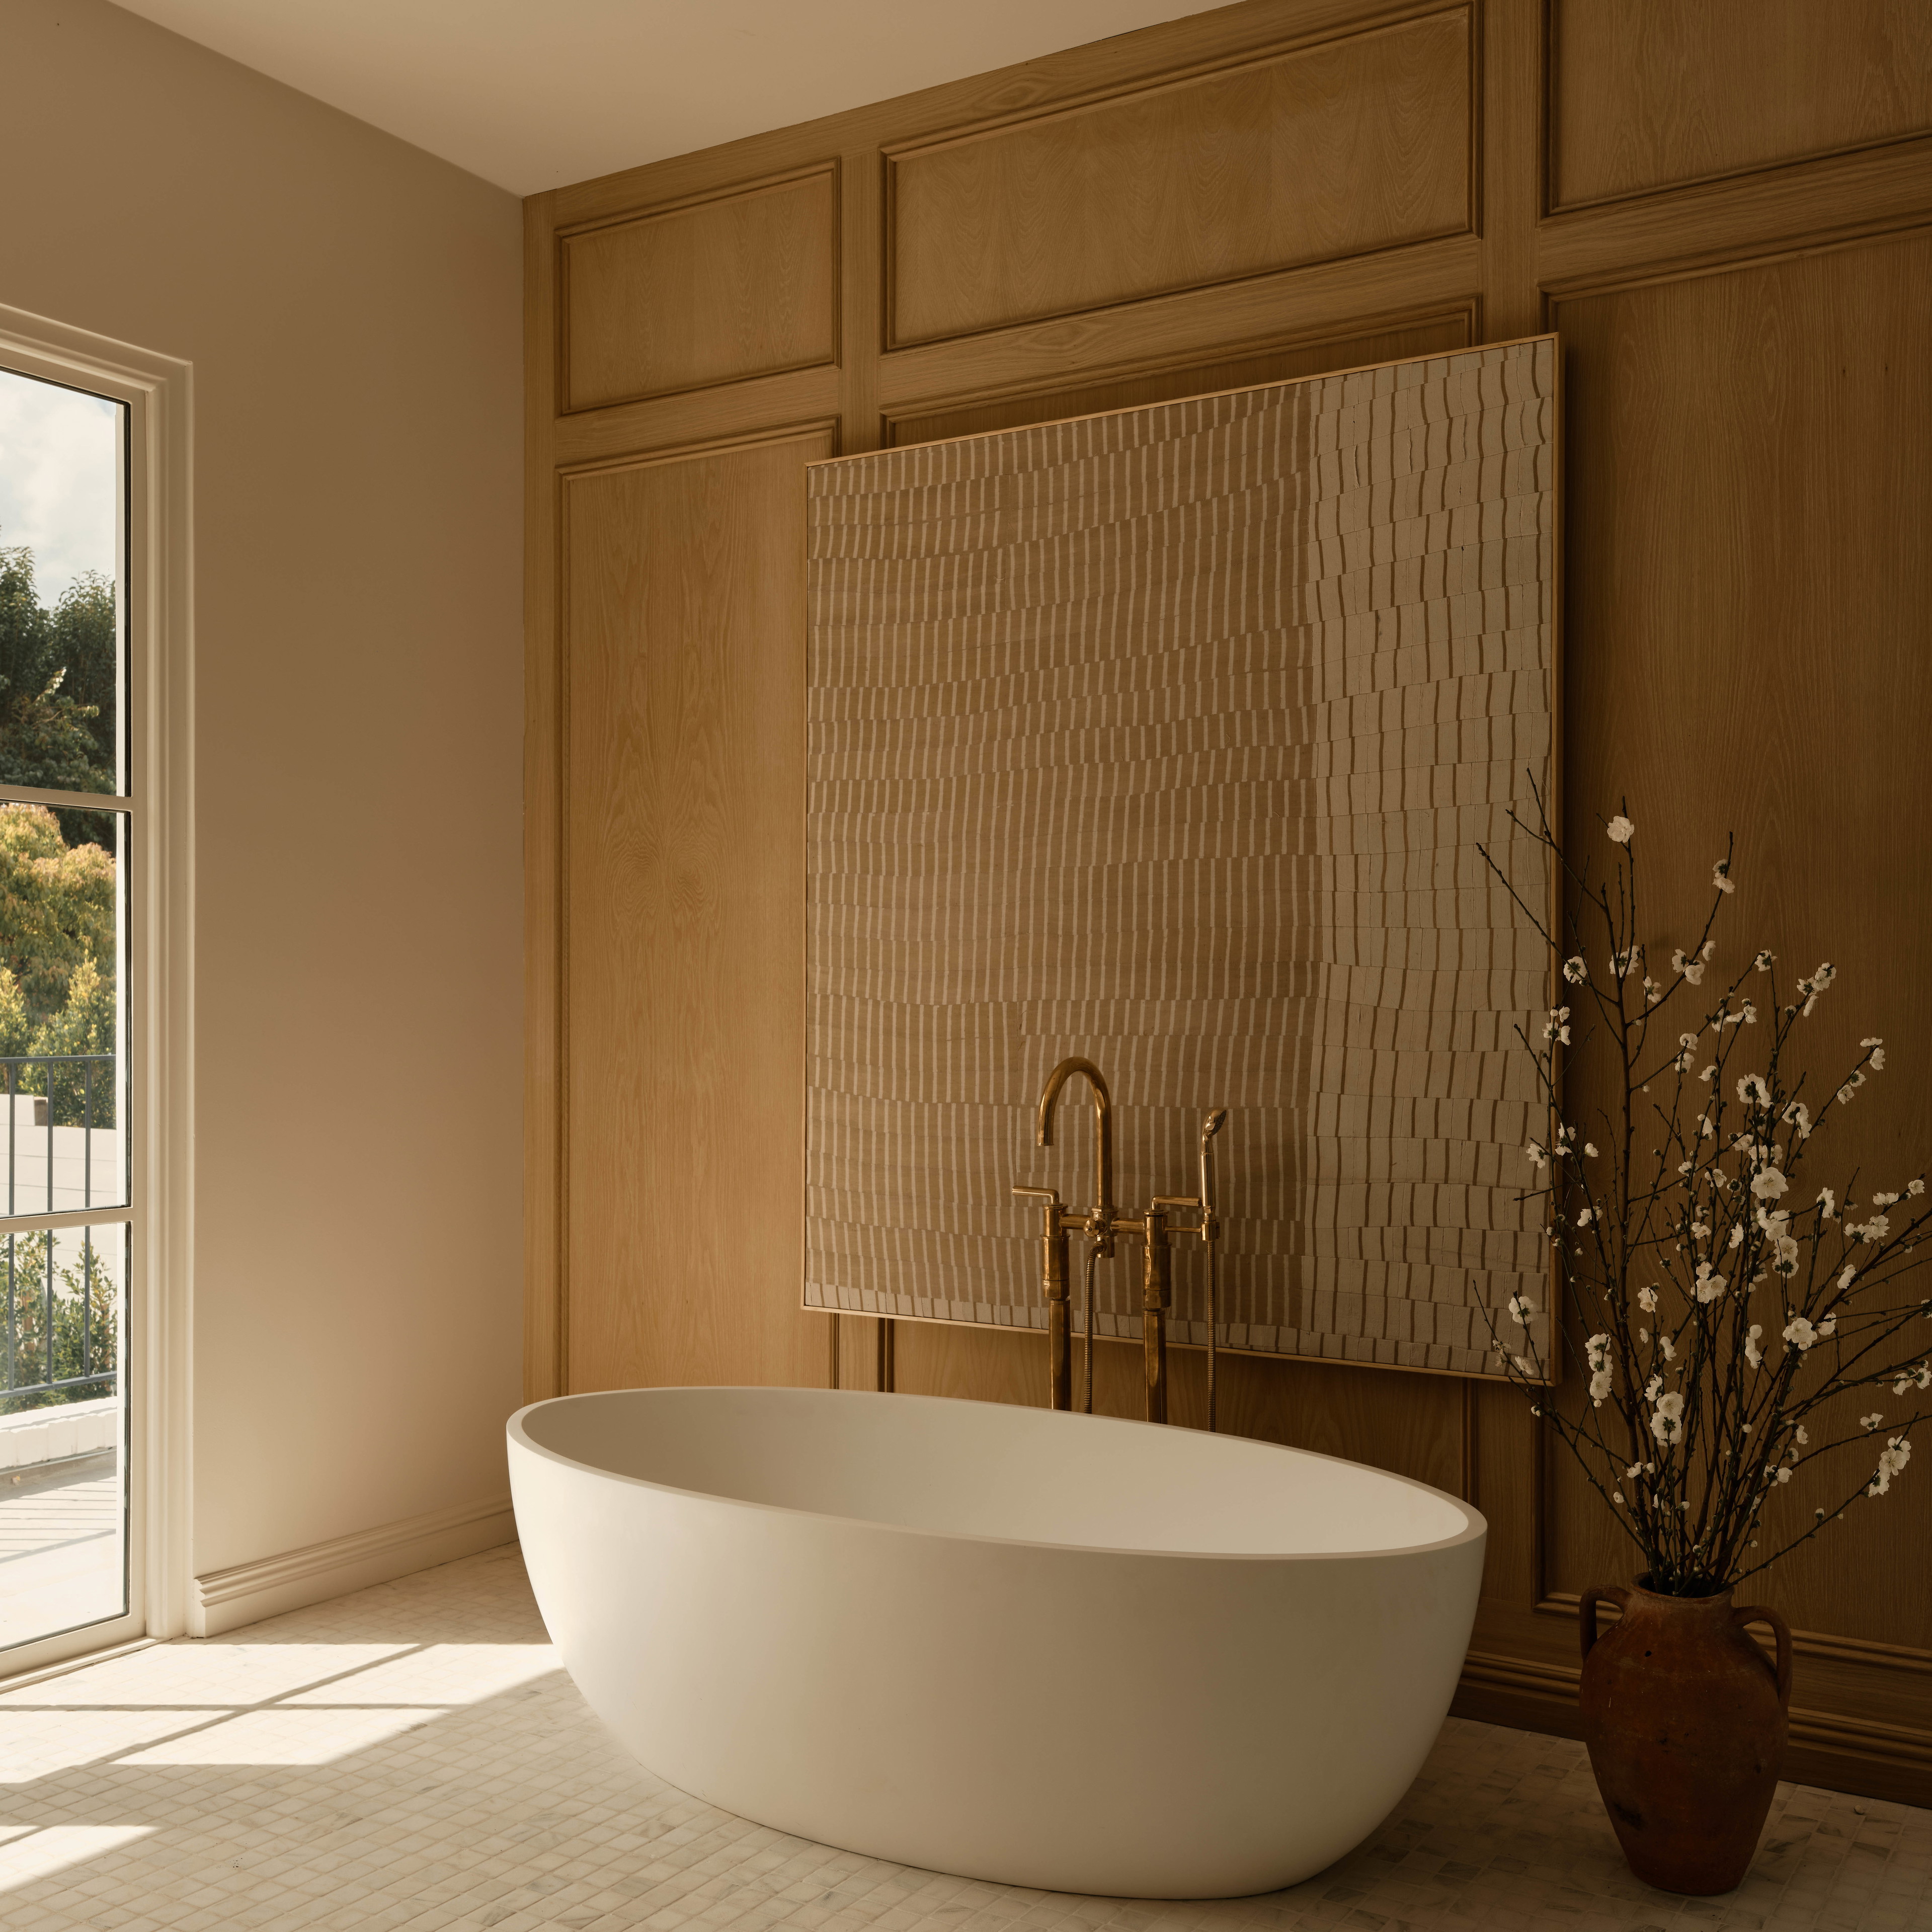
x: 226, y: 1599
x: 1843, y: 1753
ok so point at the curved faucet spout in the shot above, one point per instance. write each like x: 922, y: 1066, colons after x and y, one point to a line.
x: 1100, y: 1225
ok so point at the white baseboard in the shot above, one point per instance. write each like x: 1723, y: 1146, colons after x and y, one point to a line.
x: 226, y: 1599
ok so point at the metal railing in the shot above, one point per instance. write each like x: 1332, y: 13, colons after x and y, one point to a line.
x: 62, y: 1339
x: 62, y: 1334
x: 79, y: 1084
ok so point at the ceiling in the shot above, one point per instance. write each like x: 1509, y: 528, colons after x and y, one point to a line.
x: 533, y: 94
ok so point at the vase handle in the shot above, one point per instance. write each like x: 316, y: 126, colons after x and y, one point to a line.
x: 1586, y: 1610
x: 1762, y: 1613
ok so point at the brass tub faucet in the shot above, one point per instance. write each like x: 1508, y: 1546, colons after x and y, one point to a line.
x: 1101, y: 1224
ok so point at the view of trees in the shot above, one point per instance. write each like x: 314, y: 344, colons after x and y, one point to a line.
x: 57, y: 870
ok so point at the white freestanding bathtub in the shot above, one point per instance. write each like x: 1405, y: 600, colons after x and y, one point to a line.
x: 1053, y: 1650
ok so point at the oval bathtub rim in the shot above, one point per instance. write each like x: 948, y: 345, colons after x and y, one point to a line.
x: 1476, y: 1529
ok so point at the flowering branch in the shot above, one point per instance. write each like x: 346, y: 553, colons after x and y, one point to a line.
x: 1719, y: 1309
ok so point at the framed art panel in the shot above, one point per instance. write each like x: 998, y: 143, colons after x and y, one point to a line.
x: 1169, y: 738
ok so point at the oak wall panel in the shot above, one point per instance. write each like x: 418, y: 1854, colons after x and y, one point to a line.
x: 683, y: 756
x: 1338, y: 148
x: 1427, y: 335
x: 1652, y: 94
x: 715, y: 292
x: 1748, y: 638
x: 1748, y: 535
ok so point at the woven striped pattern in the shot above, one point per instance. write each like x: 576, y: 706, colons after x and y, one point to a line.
x: 1168, y: 738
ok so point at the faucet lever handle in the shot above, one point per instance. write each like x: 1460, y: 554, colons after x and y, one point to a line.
x: 1038, y: 1193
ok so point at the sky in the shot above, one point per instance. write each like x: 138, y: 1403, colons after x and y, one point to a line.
x: 58, y: 479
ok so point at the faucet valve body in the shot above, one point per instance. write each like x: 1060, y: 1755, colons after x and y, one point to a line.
x: 1100, y: 1224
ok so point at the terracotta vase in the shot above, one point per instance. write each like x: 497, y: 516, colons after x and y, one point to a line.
x: 1685, y: 1718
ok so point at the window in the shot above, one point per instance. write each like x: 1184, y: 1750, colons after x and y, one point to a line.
x: 88, y: 1464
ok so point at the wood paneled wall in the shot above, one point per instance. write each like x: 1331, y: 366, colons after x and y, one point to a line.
x: 1725, y: 209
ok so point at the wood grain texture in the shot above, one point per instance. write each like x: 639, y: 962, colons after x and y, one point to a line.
x: 543, y: 1121
x: 1335, y: 149
x: 1691, y: 539
x: 684, y: 898
x: 1426, y: 336
x: 1646, y: 94
x: 743, y: 285
x: 1747, y: 531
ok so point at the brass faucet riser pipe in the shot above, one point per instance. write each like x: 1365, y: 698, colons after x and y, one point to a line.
x: 1100, y: 1223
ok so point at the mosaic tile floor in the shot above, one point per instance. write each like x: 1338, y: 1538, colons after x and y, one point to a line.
x: 411, y: 1756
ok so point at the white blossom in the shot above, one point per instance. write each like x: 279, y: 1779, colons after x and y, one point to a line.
x: 1538, y: 1158
x: 1646, y: 1300
x: 1521, y: 1309
x: 1762, y: 961
x: 1870, y: 1232
x: 1800, y: 1116
x: 1815, y: 985
x: 1915, y: 1187
x: 1891, y: 1461
x: 1920, y: 1378
x: 1784, y: 1260
x: 1589, y: 1151
x: 1687, y: 1042
x: 1737, y: 1240
x: 1754, y: 1353
x: 1876, y: 1048
x: 1709, y: 1286
x: 1845, y: 1277
x: 1557, y: 1027
x: 1621, y: 829
x: 1784, y: 1475
x: 1692, y: 969
x: 1885, y: 1200
x: 1827, y: 1204
x: 1869, y: 1423
x: 1669, y: 1347
x: 1667, y: 1420
x: 1623, y: 964
x: 1751, y: 1088
x: 1597, y: 1353
x: 1769, y: 1183
x: 1574, y: 970
x: 1708, y: 1073
x: 1721, y: 876
x: 1800, y: 1334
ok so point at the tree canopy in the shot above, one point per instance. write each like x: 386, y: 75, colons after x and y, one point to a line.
x: 58, y: 710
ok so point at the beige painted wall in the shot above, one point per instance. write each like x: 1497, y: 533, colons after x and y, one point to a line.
x: 351, y: 308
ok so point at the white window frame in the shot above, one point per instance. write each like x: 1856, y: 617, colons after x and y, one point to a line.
x: 159, y: 948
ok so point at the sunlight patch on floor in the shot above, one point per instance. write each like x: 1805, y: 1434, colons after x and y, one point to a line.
x: 283, y: 1736
x: 59, y: 1848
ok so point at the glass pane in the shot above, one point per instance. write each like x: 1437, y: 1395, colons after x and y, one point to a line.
x: 62, y: 708
x: 63, y: 1431
x: 63, y: 1062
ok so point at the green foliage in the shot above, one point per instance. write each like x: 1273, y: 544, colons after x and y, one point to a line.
x: 56, y: 907
x: 57, y: 689
x: 79, y: 1347
x: 16, y: 1029
x: 80, y: 1097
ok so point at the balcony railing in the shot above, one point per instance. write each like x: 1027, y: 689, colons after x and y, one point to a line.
x: 63, y: 1152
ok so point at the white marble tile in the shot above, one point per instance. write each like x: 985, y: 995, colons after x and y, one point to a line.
x: 411, y: 1757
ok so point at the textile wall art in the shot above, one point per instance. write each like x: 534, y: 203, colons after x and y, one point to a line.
x: 1168, y: 737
